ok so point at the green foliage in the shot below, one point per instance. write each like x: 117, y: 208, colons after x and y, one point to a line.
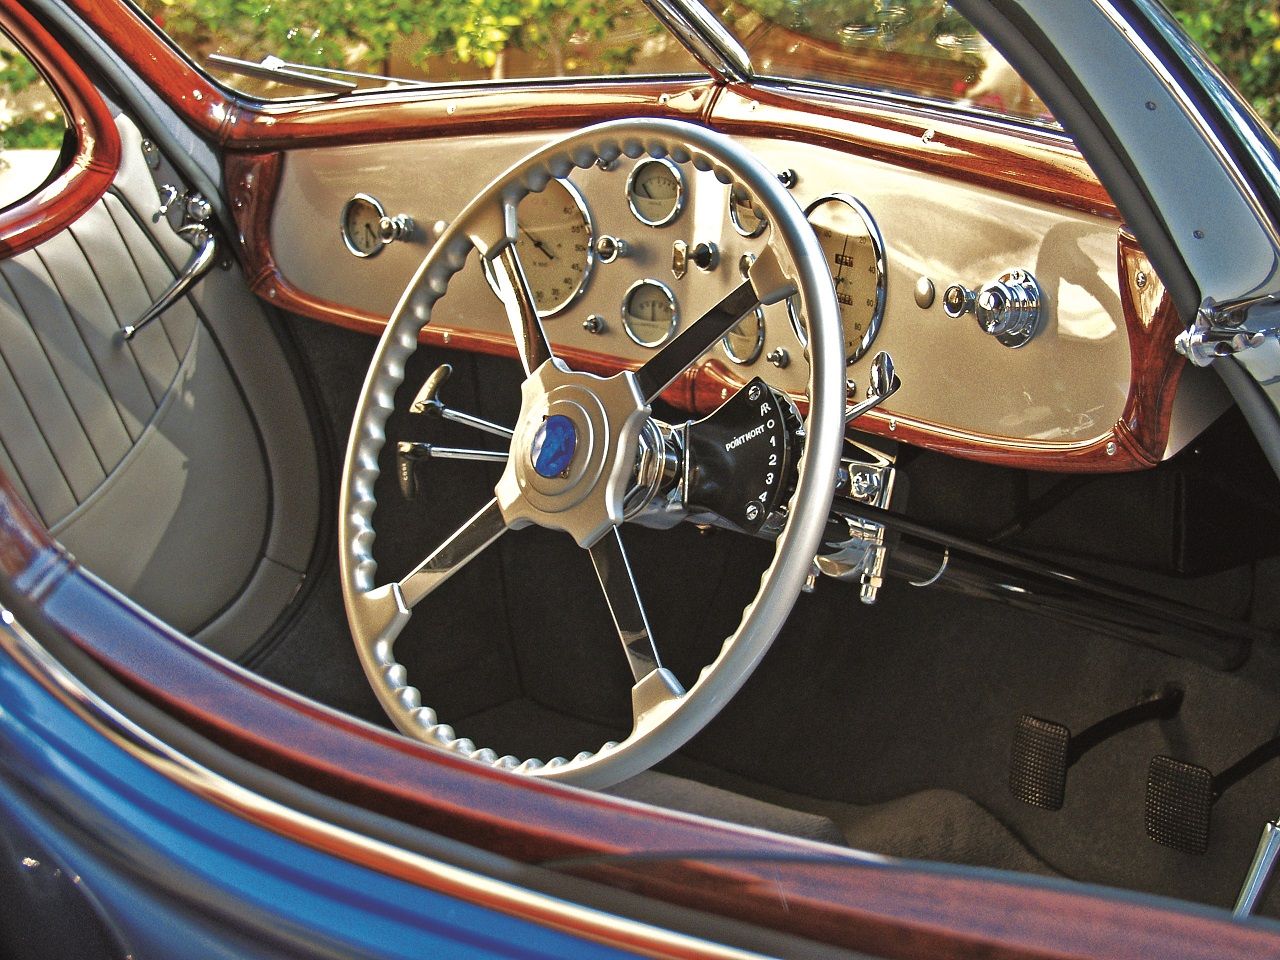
x: 361, y: 34
x: 31, y: 117
x: 1243, y: 38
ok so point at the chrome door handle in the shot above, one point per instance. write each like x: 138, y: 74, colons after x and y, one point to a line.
x: 202, y: 259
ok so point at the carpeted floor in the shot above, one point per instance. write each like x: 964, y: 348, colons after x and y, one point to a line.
x: 887, y: 727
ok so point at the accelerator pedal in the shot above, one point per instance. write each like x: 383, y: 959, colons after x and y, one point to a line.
x: 1043, y: 750
x: 1181, y: 795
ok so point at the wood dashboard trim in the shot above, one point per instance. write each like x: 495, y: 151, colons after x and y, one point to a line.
x: 1135, y: 442
x: 93, y: 165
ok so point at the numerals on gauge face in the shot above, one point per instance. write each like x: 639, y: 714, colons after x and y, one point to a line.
x: 554, y: 241
x: 855, y: 255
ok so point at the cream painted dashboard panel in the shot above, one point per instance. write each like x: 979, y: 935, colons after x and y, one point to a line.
x: 1068, y: 385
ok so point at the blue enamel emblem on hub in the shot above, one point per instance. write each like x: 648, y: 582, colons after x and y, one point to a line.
x: 553, y: 446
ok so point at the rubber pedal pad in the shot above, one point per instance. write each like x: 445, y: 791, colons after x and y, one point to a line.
x: 1179, y: 804
x: 1038, y: 762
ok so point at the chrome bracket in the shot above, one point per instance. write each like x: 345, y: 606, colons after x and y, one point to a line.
x: 868, y: 479
x: 1219, y: 330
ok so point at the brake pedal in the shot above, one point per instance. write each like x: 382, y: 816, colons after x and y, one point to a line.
x: 1181, y: 795
x: 1043, y: 750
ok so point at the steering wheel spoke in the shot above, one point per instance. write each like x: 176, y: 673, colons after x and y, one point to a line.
x: 767, y: 283
x: 466, y: 543
x: 620, y: 592
x: 522, y: 312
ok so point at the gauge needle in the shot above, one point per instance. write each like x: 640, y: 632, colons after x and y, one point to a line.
x: 539, y: 244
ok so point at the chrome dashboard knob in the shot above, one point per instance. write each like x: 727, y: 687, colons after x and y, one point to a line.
x: 1008, y: 308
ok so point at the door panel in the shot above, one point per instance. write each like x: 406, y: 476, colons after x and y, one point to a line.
x: 179, y: 466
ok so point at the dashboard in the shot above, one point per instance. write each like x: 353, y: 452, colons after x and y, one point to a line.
x: 621, y: 258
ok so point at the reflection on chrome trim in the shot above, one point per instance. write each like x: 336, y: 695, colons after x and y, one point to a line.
x: 705, y: 36
x: 1197, y: 120
x: 378, y: 855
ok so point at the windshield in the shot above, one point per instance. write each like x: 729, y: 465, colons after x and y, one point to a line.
x: 920, y: 48
x: 439, y: 41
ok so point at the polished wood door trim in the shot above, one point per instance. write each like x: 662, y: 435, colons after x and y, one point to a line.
x: 880, y: 906
x: 95, y: 159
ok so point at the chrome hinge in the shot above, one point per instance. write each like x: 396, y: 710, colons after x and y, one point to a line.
x: 1219, y: 330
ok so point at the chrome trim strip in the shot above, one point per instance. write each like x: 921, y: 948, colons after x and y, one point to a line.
x: 705, y: 37
x: 267, y: 814
x: 1193, y: 115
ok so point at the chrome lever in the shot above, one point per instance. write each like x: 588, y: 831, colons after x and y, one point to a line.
x: 884, y: 384
x: 1264, y: 861
x: 202, y: 259
x: 410, y: 453
x: 428, y: 402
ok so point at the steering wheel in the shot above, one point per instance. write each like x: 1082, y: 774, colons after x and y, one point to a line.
x: 581, y: 443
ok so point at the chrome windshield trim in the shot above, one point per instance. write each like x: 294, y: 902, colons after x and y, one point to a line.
x: 1216, y: 87
x: 265, y: 813
x: 705, y: 37
x: 1190, y: 110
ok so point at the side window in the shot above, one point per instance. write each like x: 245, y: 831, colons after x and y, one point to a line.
x: 920, y: 48
x: 32, y: 126
x: 371, y: 42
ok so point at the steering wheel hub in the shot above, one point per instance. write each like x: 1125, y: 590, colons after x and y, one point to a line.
x: 594, y: 426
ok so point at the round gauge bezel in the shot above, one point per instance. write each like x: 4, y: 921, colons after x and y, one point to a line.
x: 756, y: 349
x: 576, y: 195
x: 760, y: 224
x: 675, y: 313
x: 681, y: 191
x: 882, y: 275
x: 349, y: 243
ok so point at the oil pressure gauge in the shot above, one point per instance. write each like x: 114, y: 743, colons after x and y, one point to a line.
x: 854, y: 250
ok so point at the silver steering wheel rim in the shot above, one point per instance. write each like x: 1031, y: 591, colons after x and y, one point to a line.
x: 664, y: 716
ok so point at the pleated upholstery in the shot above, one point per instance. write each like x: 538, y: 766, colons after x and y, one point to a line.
x: 75, y: 397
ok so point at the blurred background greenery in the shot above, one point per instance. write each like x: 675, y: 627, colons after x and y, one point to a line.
x: 1243, y: 38
x: 477, y: 39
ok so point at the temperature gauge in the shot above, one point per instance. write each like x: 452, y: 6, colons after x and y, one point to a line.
x: 744, y: 342
x: 655, y: 191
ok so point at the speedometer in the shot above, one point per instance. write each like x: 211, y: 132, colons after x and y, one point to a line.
x: 854, y: 250
x: 555, y: 246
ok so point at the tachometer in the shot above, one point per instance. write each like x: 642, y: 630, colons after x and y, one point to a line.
x: 855, y: 253
x: 555, y: 245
